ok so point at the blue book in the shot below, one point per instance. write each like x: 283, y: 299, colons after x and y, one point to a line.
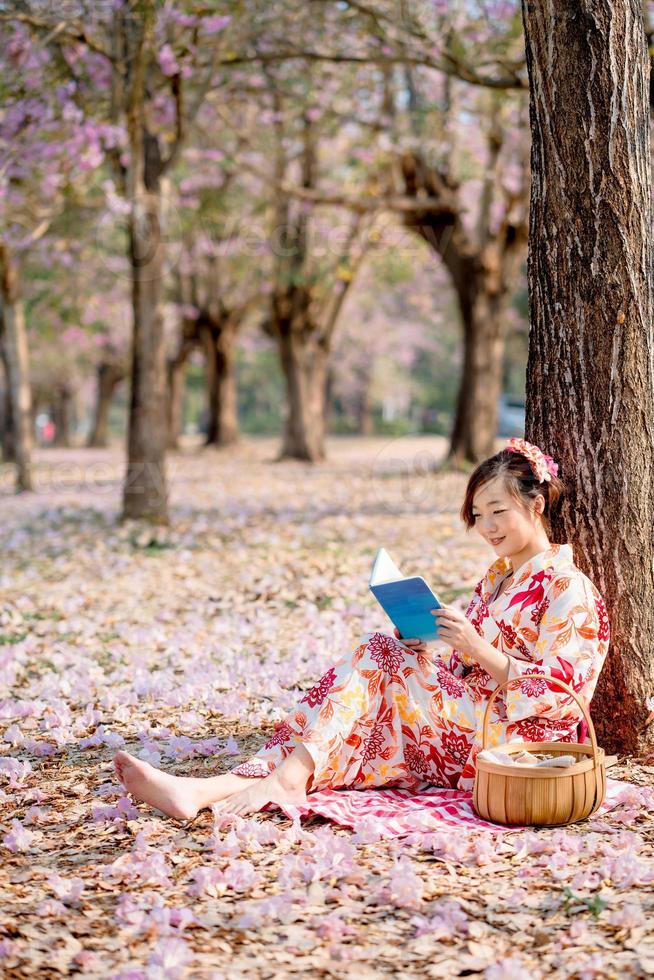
x: 406, y: 601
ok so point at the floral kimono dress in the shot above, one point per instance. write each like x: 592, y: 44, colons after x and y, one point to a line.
x: 384, y: 715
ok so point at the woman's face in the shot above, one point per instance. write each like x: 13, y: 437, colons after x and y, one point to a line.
x: 502, y: 520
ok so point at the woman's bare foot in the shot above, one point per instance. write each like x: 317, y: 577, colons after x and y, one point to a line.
x: 176, y: 796
x: 271, y: 789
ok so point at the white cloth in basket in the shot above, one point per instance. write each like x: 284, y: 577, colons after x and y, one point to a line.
x: 525, y: 758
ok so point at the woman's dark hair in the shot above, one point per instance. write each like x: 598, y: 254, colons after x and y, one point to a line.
x: 521, y: 482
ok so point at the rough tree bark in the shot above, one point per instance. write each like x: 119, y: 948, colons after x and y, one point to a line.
x: 219, y: 342
x: 214, y: 330
x: 176, y: 386
x: 304, y: 362
x: 7, y: 451
x: 590, y: 380
x: 16, y: 358
x: 110, y: 373
x: 144, y: 491
x: 219, y: 323
x: 61, y: 410
x: 303, y: 325
x: 365, y: 421
x: 188, y: 340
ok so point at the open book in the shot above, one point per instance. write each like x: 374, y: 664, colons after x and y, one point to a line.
x: 406, y: 601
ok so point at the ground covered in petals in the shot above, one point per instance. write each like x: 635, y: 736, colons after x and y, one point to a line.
x: 184, y: 645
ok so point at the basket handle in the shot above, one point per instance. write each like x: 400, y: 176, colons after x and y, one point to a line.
x: 555, y: 680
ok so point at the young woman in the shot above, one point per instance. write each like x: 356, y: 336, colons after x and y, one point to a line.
x: 395, y: 713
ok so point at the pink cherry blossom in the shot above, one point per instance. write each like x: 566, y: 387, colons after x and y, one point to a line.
x: 52, y: 908
x: 629, y: 916
x: 13, y: 735
x: 404, y: 888
x: 35, y: 815
x: 241, y: 876
x: 449, y: 921
x: 333, y: 927
x: 626, y: 870
x: 258, y: 913
x: 211, y: 25
x: 68, y: 890
x: 19, y: 838
x: 225, y: 847
x: 148, y: 867
x: 167, y: 61
x: 15, y: 770
x: 511, y: 968
x: 595, y: 965
x: 207, y: 881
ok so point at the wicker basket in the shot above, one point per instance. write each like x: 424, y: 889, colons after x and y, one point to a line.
x: 543, y: 796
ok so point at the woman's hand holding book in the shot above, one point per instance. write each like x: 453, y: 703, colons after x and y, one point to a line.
x: 419, y: 646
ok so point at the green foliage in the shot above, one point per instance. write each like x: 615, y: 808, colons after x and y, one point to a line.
x: 10, y: 638
x: 195, y: 398
x: 260, y: 391
x: 154, y: 546
x: 571, y: 903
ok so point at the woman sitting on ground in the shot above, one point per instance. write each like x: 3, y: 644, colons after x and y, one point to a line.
x: 392, y: 712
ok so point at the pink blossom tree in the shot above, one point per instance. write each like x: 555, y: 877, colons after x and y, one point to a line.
x: 46, y: 146
x: 449, y: 142
x: 143, y: 70
x: 219, y: 285
x: 81, y: 324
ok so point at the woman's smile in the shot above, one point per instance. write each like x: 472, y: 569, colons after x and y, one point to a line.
x: 496, y: 541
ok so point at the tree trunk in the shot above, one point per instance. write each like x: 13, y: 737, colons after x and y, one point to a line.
x: 480, y: 386
x: 176, y: 389
x: 590, y: 376
x: 304, y: 363
x: 7, y: 449
x: 365, y: 421
x: 484, y: 272
x: 109, y: 376
x: 145, y: 493
x: 329, y: 398
x: 61, y: 415
x: 222, y: 405
x: 17, y: 364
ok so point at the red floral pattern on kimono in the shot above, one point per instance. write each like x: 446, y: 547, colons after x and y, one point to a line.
x: 386, y: 716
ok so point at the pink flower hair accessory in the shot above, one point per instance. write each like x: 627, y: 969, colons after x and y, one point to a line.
x: 543, y: 466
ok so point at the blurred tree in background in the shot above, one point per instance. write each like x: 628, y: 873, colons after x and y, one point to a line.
x: 301, y: 220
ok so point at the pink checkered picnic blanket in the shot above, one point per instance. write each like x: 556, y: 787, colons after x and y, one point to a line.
x: 399, y: 812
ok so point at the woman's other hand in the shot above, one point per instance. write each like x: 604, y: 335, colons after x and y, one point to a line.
x: 455, y: 630
x: 418, y: 646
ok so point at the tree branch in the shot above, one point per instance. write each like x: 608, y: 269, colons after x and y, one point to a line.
x: 363, y: 204
x: 70, y: 30
x: 180, y: 123
x: 342, y: 285
x: 450, y: 66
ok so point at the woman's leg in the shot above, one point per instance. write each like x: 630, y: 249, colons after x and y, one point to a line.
x: 317, y: 717
x: 287, y: 783
x: 177, y: 796
x: 364, y: 724
x: 381, y: 716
